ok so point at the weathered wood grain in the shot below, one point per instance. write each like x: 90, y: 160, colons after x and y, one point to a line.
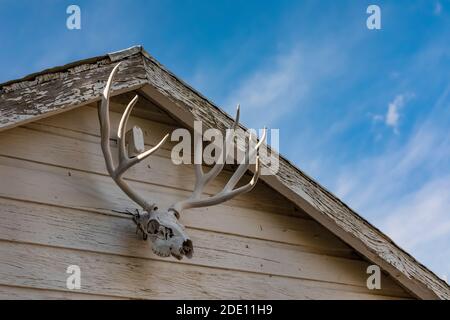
x: 44, y: 267
x: 27, y: 293
x: 56, y: 92
x: 40, y: 224
x: 87, y: 122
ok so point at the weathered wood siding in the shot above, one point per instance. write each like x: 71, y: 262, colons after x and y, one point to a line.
x: 57, y: 208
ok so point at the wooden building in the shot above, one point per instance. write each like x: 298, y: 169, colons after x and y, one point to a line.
x: 289, y: 238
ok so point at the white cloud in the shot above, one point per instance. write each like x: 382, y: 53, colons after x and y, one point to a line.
x: 393, y: 115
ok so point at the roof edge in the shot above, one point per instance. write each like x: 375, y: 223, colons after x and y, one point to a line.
x: 113, y: 56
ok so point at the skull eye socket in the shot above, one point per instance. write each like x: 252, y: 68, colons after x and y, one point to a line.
x: 153, y: 226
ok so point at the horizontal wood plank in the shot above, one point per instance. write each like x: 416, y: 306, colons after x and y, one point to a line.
x: 43, y: 267
x: 25, y: 180
x: 27, y: 222
x: 159, y: 170
x: 87, y: 122
x: 27, y: 293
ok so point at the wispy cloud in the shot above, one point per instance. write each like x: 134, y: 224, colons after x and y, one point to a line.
x: 393, y: 115
x: 284, y: 82
x: 406, y: 190
x: 421, y: 216
x: 270, y: 91
x: 420, y: 222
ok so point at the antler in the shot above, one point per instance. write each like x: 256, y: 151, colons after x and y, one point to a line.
x: 202, y: 179
x: 125, y: 162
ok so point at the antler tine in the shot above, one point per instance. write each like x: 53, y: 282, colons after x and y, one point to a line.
x: 103, y: 114
x: 125, y: 162
x: 202, y: 179
x: 227, y: 192
x: 243, y: 167
x: 123, y: 127
x: 224, y: 152
x: 236, y: 119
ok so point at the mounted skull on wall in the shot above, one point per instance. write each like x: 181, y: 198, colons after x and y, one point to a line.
x: 167, y: 235
x: 162, y: 227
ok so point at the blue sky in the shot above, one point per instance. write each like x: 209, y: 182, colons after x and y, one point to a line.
x: 365, y: 112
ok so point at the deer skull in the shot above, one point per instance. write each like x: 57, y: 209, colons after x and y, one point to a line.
x: 167, y: 235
